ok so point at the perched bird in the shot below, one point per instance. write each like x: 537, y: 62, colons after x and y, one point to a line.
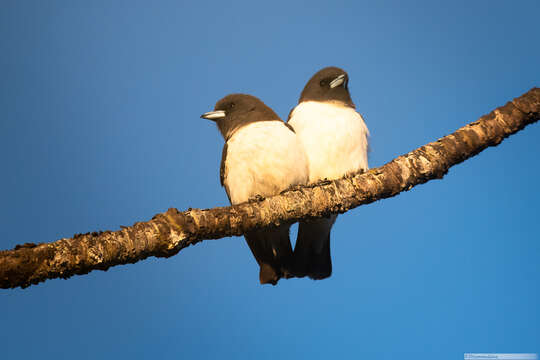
x: 261, y: 156
x: 335, y: 139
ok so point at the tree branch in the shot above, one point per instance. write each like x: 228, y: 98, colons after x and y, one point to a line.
x: 168, y: 233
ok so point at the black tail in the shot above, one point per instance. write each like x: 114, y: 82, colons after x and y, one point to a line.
x: 272, y: 249
x: 312, y: 250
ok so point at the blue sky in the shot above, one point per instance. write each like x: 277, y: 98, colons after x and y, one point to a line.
x: 99, y: 127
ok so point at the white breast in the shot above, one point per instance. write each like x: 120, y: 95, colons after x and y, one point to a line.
x: 335, y: 138
x: 263, y: 158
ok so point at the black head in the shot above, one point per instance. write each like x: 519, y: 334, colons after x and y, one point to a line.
x: 329, y: 84
x: 236, y: 110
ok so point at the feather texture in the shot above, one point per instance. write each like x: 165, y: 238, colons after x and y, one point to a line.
x: 335, y: 139
x: 265, y: 158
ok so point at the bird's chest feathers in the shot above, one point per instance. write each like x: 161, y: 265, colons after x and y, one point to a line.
x: 263, y: 158
x: 335, y: 138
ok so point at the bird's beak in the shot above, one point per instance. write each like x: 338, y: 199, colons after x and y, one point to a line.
x: 214, y: 115
x: 338, y: 81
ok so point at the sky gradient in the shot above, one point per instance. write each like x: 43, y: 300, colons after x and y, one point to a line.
x: 99, y: 127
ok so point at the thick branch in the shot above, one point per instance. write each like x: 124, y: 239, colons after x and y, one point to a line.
x: 168, y: 233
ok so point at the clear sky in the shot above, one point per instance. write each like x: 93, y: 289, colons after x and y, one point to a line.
x: 99, y: 127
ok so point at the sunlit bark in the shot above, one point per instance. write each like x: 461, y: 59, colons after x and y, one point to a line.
x: 168, y: 233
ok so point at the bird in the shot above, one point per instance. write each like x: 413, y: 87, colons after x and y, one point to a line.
x: 262, y: 156
x: 335, y: 138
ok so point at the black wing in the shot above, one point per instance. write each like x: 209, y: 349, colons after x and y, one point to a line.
x: 222, y: 173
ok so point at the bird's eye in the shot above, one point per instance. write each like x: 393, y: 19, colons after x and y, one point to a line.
x: 232, y: 105
x: 323, y: 82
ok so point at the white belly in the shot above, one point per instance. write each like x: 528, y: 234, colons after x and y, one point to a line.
x: 335, y: 139
x: 263, y: 158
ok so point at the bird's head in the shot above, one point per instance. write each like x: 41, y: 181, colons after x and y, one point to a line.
x: 236, y: 110
x: 328, y: 84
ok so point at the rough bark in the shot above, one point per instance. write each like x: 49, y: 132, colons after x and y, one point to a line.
x: 168, y: 233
